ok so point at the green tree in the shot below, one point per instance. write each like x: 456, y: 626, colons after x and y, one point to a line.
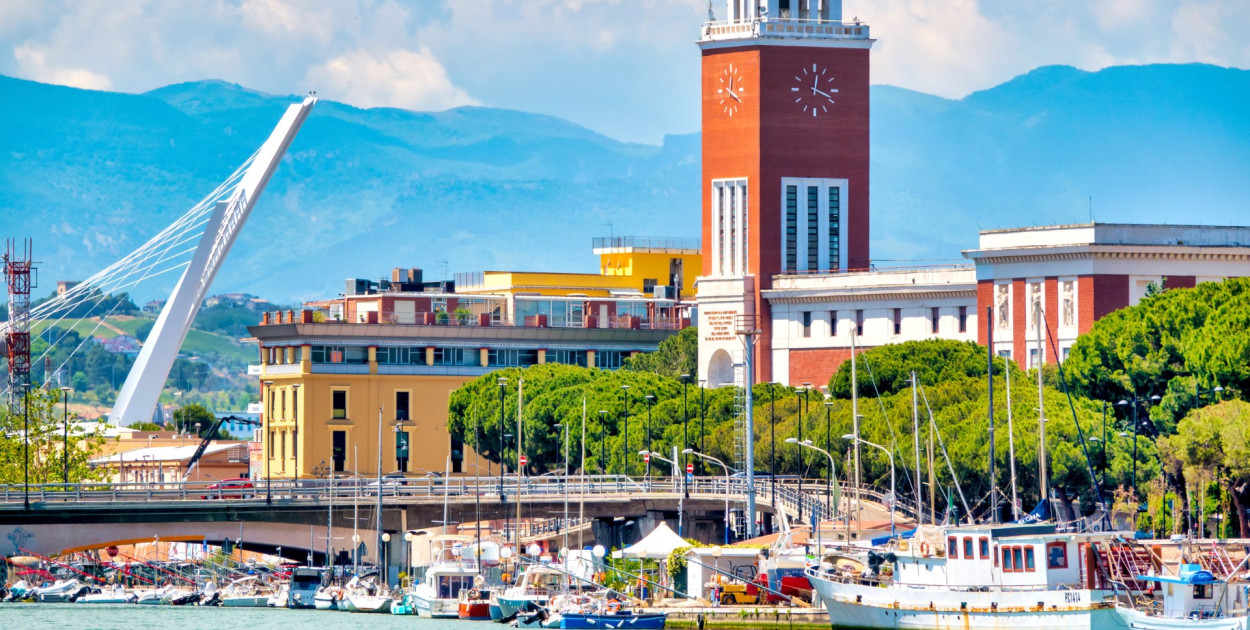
x: 675, y: 356
x: 40, y: 425
x: 197, y: 420
x: 1213, y: 445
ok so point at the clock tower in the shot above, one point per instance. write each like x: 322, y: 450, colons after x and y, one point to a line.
x: 785, y: 166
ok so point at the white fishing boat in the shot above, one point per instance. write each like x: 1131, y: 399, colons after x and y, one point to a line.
x: 157, y: 597
x: 366, y: 596
x: 115, y: 594
x: 61, y: 591
x: 438, y: 594
x: 280, y: 598
x: 1022, y: 577
x: 245, y: 593
x: 1193, y: 600
x: 330, y: 598
x: 536, y: 585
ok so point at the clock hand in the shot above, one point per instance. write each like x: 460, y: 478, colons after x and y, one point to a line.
x: 816, y: 91
x: 734, y: 96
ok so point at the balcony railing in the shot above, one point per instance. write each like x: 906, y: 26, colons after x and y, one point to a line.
x: 646, y: 242
x: 783, y: 27
x: 482, y: 320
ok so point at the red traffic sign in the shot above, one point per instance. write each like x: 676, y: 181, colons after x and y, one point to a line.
x: 523, y: 460
x: 689, y: 468
x: 646, y: 458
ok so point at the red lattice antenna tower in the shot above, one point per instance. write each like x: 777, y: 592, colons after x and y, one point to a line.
x: 17, y: 276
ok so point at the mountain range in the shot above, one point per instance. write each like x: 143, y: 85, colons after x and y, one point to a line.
x: 89, y: 175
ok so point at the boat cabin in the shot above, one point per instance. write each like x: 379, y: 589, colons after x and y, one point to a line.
x: 1197, y: 594
x: 1027, y: 556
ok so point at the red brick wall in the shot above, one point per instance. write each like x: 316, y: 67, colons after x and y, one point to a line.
x: 1179, y: 282
x: 1084, y: 304
x: 985, y: 299
x: 1111, y: 293
x: 817, y: 365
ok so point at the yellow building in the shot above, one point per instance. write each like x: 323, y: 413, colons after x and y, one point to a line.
x: 378, y: 366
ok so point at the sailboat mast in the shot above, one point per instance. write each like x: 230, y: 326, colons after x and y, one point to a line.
x: 859, y: 525
x: 989, y: 375
x: 1011, y: 446
x: 520, y: 470
x: 932, y: 482
x: 581, y: 504
x: 915, y: 433
x: 378, y: 516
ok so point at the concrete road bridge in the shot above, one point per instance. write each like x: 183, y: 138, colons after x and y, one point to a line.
x: 294, y: 517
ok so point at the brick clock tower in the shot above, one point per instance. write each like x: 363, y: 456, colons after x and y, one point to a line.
x: 785, y: 165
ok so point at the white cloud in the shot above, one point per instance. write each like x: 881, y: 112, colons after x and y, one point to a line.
x: 398, y: 78
x: 33, y: 64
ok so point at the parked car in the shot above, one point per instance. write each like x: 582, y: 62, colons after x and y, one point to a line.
x: 231, y: 489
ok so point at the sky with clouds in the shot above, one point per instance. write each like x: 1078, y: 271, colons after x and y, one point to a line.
x: 626, y: 68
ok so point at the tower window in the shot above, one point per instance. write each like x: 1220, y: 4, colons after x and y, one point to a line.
x: 935, y: 320
x: 898, y: 321
x: 833, y: 323
x: 338, y: 406
x: 835, y: 215
x: 859, y: 323
x: 807, y: 323
x: 401, y: 405
x: 813, y: 229
x: 792, y: 228
x: 963, y: 319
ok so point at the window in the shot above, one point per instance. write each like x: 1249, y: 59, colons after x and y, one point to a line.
x: 271, y: 444
x: 1202, y: 591
x: 1057, y: 555
x: 338, y: 450
x: 567, y: 357
x: 401, y: 405
x: 1032, y: 358
x: 898, y: 320
x: 729, y: 218
x: 1028, y: 559
x: 1007, y: 560
x: 456, y: 356
x: 963, y: 319
x: 648, y: 285
x: 995, y: 555
x: 813, y: 229
x: 609, y: 359
x: 401, y: 451
x: 511, y: 357
x: 835, y: 215
x: 807, y: 323
x: 934, y: 319
x: 952, y: 548
x: 792, y: 229
x: 833, y: 323
x: 968, y: 548
x: 457, y: 455
x: 338, y: 404
x: 859, y: 323
x: 985, y: 548
x: 400, y: 355
x: 1017, y: 557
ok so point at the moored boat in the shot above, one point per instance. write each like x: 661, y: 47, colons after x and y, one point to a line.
x: 475, y: 604
x: 438, y: 594
x: 1194, y: 599
x: 973, y: 577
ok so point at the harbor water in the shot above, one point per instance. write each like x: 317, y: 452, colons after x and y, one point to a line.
x: 132, y: 617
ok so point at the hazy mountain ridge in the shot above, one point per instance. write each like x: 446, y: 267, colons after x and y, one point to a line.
x: 90, y: 175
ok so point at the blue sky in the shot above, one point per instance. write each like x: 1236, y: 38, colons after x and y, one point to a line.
x: 626, y: 68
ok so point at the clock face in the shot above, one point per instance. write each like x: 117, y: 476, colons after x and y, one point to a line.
x: 731, y: 89
x: 813, y: 90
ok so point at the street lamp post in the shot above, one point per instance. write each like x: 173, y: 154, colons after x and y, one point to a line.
x: 603, y: 441
x: 1134, y: 404
x: 685, y: 433
x: 269, y: 440
x: 295, y: 435
x: 65, y: 438
x: 503, y: 382
x: 854, y: 438
x: 650, y: 398
x: 772, y: 439
x: 802, y: 407
x: 680, y: 504
x: 625, y: 430
x: 691, y: 451
x: 828, y: 482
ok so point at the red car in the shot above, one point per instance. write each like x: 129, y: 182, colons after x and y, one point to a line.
x: 230, y: 489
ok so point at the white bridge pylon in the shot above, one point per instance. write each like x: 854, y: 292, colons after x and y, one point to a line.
x: 138, y: 397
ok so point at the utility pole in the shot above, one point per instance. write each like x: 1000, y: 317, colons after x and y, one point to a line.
x: 915, y: 432
x: 989, y: 375
x: 748, y: 330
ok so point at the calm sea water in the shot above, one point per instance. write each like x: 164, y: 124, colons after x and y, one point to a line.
x: 132, y: 617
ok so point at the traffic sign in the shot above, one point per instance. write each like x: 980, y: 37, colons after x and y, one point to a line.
x: 523, y: 460
x: 689, y: 468
x: 646, y: 459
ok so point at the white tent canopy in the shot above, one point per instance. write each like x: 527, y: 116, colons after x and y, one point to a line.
x: 656, y: 545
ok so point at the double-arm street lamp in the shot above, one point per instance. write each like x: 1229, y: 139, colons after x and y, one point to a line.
x: 65, y: 439
x: 1135, y: 402
x: 889, y: 456
x: 503, y: 382
x: 832, y: 470
x: 625, y: 430
x: 680, y: 505
x: 690, y: 451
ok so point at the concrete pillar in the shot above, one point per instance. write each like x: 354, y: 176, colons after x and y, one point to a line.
x: 542, y: 356
x: 373, y: 359
x: 429, y: 355
x: 590, y: 358
x: 484, y: 355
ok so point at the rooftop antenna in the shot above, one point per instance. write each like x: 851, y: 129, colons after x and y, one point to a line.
x: 711, y: 16
x: 1091, y: 208
x: 444, y: 265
